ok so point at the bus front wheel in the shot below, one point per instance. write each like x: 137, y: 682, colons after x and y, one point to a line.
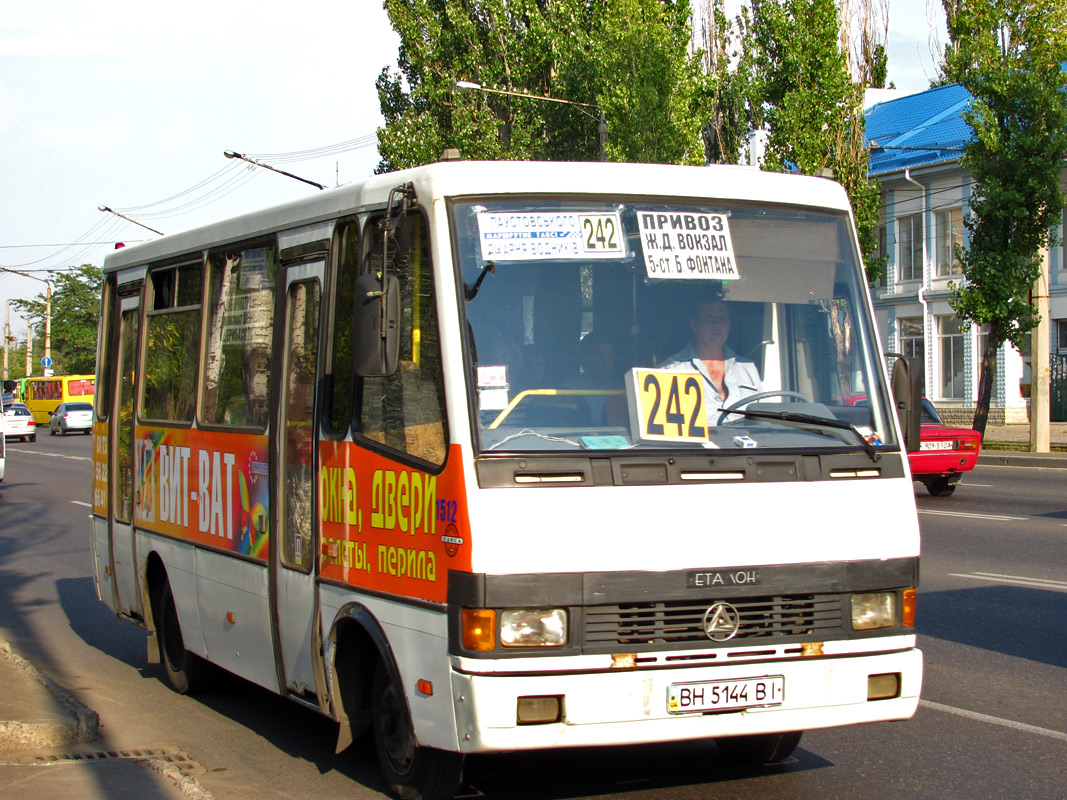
x: 764, y: 748
x: 186, y: 672
x: 412, y: 772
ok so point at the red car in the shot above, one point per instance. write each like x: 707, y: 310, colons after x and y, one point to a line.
x: 944, y: 453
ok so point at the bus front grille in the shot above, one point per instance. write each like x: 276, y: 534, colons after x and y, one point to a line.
x: 678, y: 623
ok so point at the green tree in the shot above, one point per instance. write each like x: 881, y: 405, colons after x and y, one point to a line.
x: 729, y: 71
x: 1008, y: 54
x: 814, y: 105
x: 627, y: 58
x: 75, y: 318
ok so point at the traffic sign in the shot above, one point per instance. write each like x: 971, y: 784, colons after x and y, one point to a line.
x: 46, y: 362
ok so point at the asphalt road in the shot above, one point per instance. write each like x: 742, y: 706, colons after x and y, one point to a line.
x: 992, y: 723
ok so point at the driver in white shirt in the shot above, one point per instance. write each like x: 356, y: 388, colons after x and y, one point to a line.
x: 727, y: 377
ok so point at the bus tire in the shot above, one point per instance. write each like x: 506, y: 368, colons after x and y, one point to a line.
x: 187, y: 672
x: 412, y: 772
x: 763, y: 748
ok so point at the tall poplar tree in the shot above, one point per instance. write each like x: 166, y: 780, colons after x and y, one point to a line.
x: 629, y: 59
x: 1009, y: 54
x: 813, y: 104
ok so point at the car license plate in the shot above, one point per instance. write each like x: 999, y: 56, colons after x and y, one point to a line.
x: 686, y: 698
x: 944, y: 444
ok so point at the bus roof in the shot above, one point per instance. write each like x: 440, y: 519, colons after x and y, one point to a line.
x: 460, y: 178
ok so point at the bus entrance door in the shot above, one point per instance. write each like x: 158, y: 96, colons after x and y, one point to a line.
x: 294, y: 607
x: 124, y: 475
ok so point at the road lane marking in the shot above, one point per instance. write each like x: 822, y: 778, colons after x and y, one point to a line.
x: 1016, y: 580
x: 55, y: 455
x: 1007, y: 723
x: 1041, y: 467
x: 82, y: 503
x: 972, y: 515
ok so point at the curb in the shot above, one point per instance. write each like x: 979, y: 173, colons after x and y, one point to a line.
x: 81, y: 725
x: 1017, y: 458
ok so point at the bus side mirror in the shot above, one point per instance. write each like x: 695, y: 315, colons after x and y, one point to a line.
x: 376, y: 326
x: 906, y: 383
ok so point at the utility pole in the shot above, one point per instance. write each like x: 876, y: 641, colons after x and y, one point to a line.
x: 47, y: 316
x: 7, y: 335
x: 1040, y: 341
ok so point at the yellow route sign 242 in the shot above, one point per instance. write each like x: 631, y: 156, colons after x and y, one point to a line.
x: 666, y: 406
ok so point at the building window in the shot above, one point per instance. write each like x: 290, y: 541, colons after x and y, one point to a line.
x: 1061, y: 336
x: 949, y: 233
x: 950, y: 340
x: 911, y: 337
x: 910, y: 251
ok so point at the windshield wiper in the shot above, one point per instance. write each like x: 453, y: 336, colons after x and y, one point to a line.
x: 810, y: 419
x: 470, y: 292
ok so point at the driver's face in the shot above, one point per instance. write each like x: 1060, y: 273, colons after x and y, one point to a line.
x: 711, y: 325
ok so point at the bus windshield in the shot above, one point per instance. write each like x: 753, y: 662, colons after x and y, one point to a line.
x: 615, y: 325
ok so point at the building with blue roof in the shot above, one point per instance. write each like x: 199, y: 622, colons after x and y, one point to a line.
x: 916, y: 142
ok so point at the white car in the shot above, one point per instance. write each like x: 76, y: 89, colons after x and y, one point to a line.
x: 19, y: 423
x: 71, y: 417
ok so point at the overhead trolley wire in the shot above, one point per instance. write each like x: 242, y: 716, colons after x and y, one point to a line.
x: 99, y: 230
x: 184, y: 192
x: 367, y: 140
x: 235, y: 177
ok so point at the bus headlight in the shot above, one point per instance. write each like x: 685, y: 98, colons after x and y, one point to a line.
x: 522, y: 627
x: 874, y: 610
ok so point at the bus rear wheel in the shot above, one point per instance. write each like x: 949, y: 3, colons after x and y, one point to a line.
x: 412, y: 772
x: 763, y: 748
x: 187, y: 672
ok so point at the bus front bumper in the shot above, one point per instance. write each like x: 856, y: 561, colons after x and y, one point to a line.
x: 631, y: 706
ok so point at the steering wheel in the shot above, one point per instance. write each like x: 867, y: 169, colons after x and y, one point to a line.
x: 744, y: 401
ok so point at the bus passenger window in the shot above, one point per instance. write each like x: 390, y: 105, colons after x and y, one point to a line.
x: 240, y: 327
x: 172, y: 345
x: 298, y: 464
x: 406, y: 411
x: 339, y: 394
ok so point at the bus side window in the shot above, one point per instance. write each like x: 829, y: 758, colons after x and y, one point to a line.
x: 339, y: 368
x: 172, y: 344
x: 107, y: 350
x: 240, y: 328
x: 406, y: 410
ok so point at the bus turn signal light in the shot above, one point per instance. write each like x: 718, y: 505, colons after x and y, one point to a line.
x: 479, y: 628
x: 907, y: 617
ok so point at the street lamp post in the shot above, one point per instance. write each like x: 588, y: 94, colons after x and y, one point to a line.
x: 602, y: 122
x: 135, y: 222
x: 235, y: 154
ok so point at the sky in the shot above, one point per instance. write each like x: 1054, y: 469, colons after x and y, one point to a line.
x: 131, y: 105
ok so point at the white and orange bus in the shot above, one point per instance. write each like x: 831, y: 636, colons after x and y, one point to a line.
x: 42, y: 395
x: 421, y: 454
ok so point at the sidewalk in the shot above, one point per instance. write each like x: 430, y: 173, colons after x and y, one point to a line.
x: 1008, y: 445
x: 49, y: 747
